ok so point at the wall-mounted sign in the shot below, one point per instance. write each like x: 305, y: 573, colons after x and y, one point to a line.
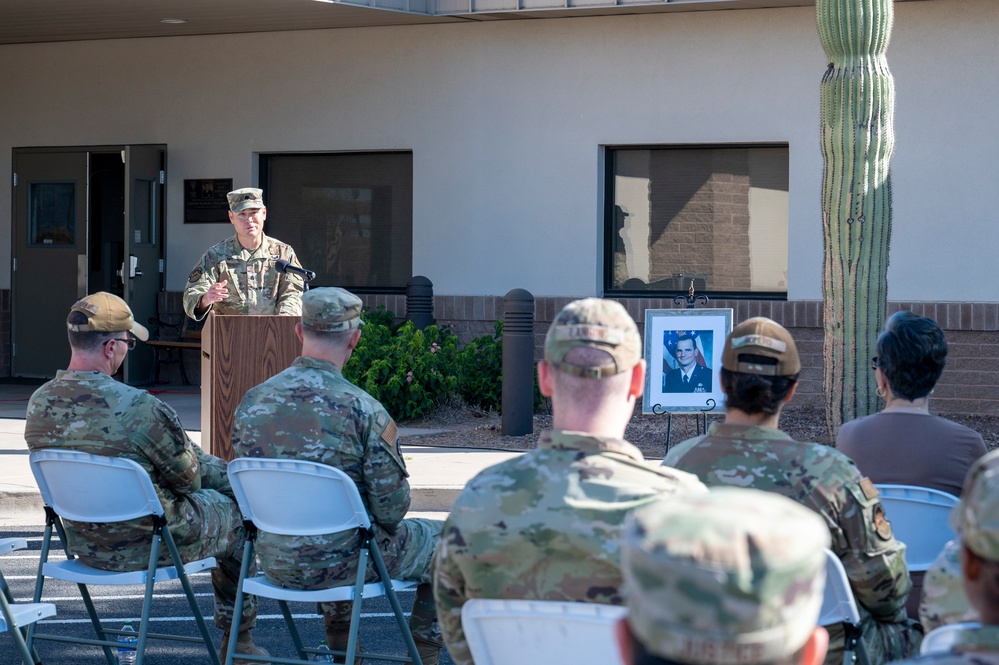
x: 205, y: 201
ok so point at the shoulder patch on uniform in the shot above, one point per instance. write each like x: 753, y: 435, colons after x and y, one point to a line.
x: 881, y: 524
x: 390, y: 433
x: 195, y: 274
x: 868, y: 488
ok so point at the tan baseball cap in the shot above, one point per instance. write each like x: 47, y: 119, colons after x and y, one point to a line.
x: 765, y: 337
x: 245, y: 198
x: 598, y: 324
x: 106, y: 312
x: 976, y: 517
x: 331, y: 309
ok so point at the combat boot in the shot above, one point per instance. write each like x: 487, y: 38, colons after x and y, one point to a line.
x: 244, y: 645
x: 429, y: 650
x: 337, y: 634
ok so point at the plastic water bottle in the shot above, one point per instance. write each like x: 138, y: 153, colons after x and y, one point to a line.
x: 126, y: 650
x: 324, y: 655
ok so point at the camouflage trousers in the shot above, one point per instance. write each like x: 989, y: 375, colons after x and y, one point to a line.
x: 407, y: 552
x: 216, y: 532
x: 884, y: 641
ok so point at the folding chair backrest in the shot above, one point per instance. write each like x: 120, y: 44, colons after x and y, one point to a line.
x: 528, y: 632
x: 943, y: 638
x: 93, y: 488
x: 920, y: 518
x: 838, y: 604
x: 296, y: 498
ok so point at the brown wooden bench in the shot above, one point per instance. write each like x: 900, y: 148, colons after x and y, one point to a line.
x: 169, y: 341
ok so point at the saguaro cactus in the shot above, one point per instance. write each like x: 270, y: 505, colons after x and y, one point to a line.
x: 857, y: 108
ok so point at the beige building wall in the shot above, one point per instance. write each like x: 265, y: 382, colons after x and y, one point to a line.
x: 506, y: 120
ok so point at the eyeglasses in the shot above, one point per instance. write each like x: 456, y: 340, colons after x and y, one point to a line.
x: 129, y: 341
x: 874, y: 362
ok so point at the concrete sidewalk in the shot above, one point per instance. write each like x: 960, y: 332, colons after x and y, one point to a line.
x: 436, y: 475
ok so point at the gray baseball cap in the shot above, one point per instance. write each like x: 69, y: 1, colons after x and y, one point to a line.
x: 245, y: 198
x: 728, y: 577
x: 331, y: 309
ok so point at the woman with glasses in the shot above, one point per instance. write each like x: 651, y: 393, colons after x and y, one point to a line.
x: 904, y: 443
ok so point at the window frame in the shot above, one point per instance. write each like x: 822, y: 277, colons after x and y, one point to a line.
x: 608, y: 223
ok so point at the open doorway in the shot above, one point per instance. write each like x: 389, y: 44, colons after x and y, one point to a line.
x: 85, y: 220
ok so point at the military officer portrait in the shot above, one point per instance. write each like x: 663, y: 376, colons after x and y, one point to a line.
x: 689, y: 376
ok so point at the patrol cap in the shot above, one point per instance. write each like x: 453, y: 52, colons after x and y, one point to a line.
x: 106, y: 312
x: 728, y: 577
x: 976, y: 517
x: 761, y: 336
x: 331, y: 309
x: 597, y: 324
x: 245, y: 198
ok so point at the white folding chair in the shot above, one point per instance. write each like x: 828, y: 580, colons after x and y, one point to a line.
x: 92, y: 488
x: 297, y: 498
x: 920, y: 518
x: 840, y: 607
x: 943, y: 638
x: 14, y: 616
x: 540, y: 632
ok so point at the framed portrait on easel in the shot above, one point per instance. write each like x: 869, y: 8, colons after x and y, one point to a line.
x: 683, y: 351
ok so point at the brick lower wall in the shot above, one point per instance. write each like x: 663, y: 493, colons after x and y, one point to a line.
x: 969, y: 385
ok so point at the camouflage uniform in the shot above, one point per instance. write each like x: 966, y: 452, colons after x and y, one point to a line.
x: 311, y: 412
x: 545, y: 525
x: 944, y: 600
x: 255, y: 286
x: 93, y: 413
x: 829, y: 483
x: 973, y: 646
x: 727, y: 577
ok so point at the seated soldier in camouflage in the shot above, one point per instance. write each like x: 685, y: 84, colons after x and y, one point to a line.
x: 546, y: 524
x: 728, y: 577
x: 84, y: 409
x: 310, y: 412
x: 976, y: 520
x: 760, y: 367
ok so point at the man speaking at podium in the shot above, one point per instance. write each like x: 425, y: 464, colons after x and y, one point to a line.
x: 241, y: 275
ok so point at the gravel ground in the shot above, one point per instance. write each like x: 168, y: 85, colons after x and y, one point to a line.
x: 468, y: 428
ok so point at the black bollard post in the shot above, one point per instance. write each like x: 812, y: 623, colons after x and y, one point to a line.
x: 518, y: 363
x: 420, y: 301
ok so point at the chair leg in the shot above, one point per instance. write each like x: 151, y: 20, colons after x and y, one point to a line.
x: 237, y: 610
x: 353, y: 633
x: 17, y: 633
x: 296, y: 638
x: 147, y: 600
x: 400, y: 616
x: 189, y: 592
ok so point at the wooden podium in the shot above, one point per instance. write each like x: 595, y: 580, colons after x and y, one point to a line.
x: 238, y: 353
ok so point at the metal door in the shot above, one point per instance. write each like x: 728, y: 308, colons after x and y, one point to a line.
x: 50, y: 257
x: 141, y: 274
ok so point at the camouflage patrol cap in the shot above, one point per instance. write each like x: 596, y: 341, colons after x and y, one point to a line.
x: 106, y: 312
x: 597, y: 324
x: 976, y: 517
x: 245, y: 198
x: 761, y: 336
x: 331, y: 309
x: 728, y: 577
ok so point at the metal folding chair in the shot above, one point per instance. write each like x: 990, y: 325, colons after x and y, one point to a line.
x: 14, y: 616
x: 943, y: 638
x: 92, y: 488
x: 920, y: 518
x: 539, y: 632
x: 298, y: 498
x: 840, y: 607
